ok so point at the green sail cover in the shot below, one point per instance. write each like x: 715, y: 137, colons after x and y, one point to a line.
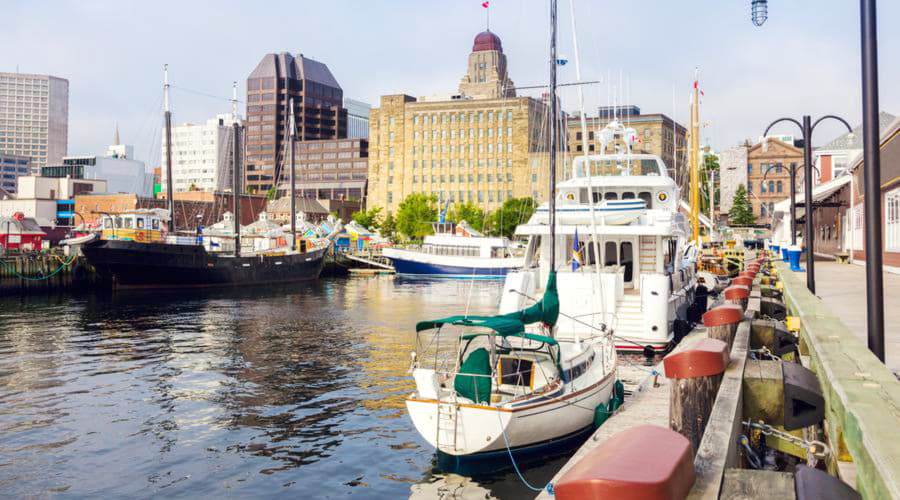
x: 476, y: 388
x: 546, y: 311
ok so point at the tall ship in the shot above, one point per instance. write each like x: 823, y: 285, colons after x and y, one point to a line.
x: 141, y: 248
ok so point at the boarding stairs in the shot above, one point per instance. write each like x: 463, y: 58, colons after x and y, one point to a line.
x: 629, y: 320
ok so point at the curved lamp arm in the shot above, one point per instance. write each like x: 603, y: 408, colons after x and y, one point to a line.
x: 838, y: 118
x: 795, y: 122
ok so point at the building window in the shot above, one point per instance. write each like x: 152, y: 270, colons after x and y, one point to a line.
x: 390, y: 197
x: 762, y: 187
x: 778, y: 184
x: 749, y: 169
x: 771, y: 186
x: 892, y: 220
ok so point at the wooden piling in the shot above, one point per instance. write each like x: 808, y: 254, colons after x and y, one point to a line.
x: 721, y: 322
x: 737, y: 294
x: 696, y: 373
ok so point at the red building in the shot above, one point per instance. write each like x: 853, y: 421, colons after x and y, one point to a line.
x: 20, y: 233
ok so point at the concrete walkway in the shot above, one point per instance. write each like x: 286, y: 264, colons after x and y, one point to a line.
x: 843, y: 289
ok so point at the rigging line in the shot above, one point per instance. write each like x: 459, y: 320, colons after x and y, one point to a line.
x: 585, y: 148
x: 205, y: 94
x: 592, y: 327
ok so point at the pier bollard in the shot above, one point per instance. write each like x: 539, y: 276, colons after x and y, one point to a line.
x: 696, y: 374
x: 742, y: 280
x: 737, y: 294
x: 647, y: 462
x: 721, y: 322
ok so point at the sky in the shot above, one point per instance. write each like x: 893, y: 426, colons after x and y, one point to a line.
x: 804, y: 60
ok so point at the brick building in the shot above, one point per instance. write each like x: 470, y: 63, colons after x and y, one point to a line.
x: 190, y: 207
x: 330, y: 169
x: 658, y: 135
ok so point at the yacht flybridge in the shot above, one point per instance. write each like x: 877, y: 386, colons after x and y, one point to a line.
x: 621, y: 245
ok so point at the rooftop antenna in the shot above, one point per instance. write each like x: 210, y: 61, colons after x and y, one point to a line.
x: 234, y: 100
x: 487, y: 14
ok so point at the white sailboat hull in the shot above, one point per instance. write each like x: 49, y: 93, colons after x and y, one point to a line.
x: 482, y: 428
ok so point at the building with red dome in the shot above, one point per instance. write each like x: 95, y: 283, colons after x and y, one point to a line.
x: 486, y: 74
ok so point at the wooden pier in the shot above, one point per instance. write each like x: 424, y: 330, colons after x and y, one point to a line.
x: 39, y: 273
x: 826, y: 406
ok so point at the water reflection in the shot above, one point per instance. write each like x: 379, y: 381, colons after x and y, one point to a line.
x: 253, y: 392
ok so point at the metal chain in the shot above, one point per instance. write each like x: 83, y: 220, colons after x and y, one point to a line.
x: 766, y: 352
x: 815, y: 450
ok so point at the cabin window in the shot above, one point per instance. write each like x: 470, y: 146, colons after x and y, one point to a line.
x: 107, y: 223
x: 515, y: 371
x: 646, y: 196
x: 118, y: 222
x: 611, y: 196
x: 628, y: 196
x: 140, y: 222
x: 155, y: 223
x: 610, y: 256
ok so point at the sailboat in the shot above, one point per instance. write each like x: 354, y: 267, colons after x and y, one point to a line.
x: 133, y: 251
x: 523, y: 380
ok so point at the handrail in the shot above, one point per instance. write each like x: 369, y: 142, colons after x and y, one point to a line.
x: 861, y: 393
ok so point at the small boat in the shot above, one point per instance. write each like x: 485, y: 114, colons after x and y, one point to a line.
x: 609, y: 212
x: 455, y: 251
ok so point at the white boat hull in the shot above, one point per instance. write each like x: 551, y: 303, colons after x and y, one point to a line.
x: 481, y: 428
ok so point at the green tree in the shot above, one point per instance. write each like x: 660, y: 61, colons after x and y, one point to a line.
x: 389, y: 227
x: 369, y: 219
x: 468, y: 212
x: 515, y: 211
x: 415, y: 215
x: 709, y: 168
x: 741, y: 210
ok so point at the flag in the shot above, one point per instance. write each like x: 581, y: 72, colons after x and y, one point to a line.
x: 485, y: 4
x: 697, y: 86
x: 577, y: 260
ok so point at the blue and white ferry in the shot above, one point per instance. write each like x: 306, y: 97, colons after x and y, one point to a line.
x: 456, y: 251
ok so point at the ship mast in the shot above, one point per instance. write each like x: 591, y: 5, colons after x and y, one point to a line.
x: 170, y: 201
x: 236, y: 172
x: 291, y: 142
x: 553, y: 135
x: 695, y: 160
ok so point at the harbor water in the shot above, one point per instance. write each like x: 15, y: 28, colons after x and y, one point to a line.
x: 289, y: 391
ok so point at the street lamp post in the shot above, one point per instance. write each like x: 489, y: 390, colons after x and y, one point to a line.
x: 872, y: 179
x: 808, y: 234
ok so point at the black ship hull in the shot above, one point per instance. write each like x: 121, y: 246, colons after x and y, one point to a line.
x: 129, y: 264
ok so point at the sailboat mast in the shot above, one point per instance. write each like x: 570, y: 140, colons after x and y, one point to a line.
x: 291, y: 142
x: 236, y: 172
x: 695, y: 160
x: 170, y: 200
x: 553, y: 133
